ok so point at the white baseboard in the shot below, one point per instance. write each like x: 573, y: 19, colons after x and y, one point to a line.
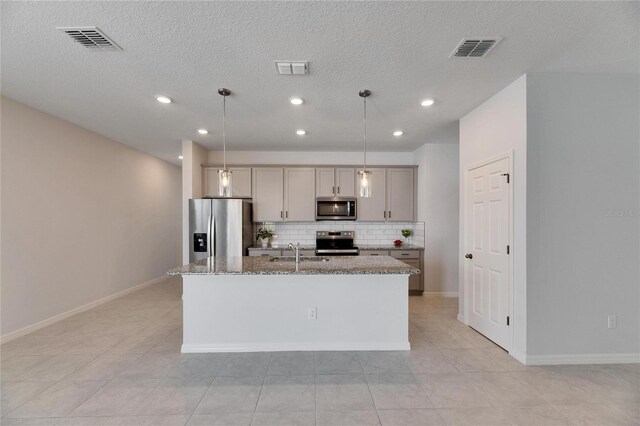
x: 44, y: 323
x: 579, y: 359
x: 519, y: 356
x: 440, y: 294
x: 309, y: 346
x: 461, y: 319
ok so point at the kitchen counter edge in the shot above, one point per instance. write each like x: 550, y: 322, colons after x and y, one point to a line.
x: 360, y: 246
x: 256, y: 265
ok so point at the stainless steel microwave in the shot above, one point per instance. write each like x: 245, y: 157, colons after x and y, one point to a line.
x: 336, y: 208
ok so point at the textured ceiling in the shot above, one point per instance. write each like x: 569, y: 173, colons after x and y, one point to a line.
x: 399, y: 50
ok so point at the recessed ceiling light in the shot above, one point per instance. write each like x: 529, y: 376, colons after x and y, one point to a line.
x: 179, y: 157
x: 163, y: 99
x: 203, y: 131
x: 397, y: 133
x: 296, y: 100
x: 428, y: 102
x: 301, y: 132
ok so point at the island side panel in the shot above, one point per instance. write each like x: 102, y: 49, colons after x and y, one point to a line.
x: 253, y: 313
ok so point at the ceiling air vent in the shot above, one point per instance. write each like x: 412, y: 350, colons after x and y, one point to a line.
x: 90, y: 37
x: 475, y: 47
x: 292, y: 67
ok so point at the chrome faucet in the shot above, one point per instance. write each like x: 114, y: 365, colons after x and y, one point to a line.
x: 296, y: 251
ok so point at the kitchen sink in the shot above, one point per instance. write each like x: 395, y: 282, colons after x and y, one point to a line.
x: 302, y: 259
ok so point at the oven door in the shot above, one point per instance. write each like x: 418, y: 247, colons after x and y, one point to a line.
x: 335, y: 208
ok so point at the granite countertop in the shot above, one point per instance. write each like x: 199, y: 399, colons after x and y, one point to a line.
x: 257, y: 265
x: 283, y: 246
x: 360, y: 246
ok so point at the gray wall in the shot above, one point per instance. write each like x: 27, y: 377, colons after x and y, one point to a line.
x: 438, y: 209
x: 83, y: 217
x: 583, y: 229
x: 494, y: 128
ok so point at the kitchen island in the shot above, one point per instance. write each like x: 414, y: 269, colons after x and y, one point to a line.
x: 253, y: 304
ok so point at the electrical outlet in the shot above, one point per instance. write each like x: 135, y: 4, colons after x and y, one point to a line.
x: 612, y: 321
x: 313, y: 313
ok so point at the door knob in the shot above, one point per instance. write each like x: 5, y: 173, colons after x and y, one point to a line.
x: 468, y: 256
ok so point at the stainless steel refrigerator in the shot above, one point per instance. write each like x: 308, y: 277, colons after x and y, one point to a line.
x: 219, y: 227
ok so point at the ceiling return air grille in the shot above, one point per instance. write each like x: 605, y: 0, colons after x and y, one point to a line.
x: 90, y: 37
x: 292, y: 67
x: 475, y: 47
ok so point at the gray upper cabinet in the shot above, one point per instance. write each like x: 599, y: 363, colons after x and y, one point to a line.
x: 345, y: 182
x: 268, y: 194
x: 338, y: 182
x: 400, y: 195
x: 241, y: 181
x: 300, y: 197
x: 374, y: 207
x: 325, y: 182
x: 283, y: 194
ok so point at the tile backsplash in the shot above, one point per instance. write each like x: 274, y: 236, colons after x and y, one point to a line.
x: 366, y: 232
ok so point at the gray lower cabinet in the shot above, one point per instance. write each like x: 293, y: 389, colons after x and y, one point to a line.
x: 410, y: 257
x: 415, y: 281
x: 275, y: 253
x: 270, y: 253
x: 374, y: 253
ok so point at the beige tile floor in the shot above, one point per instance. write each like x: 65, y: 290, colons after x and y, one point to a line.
x: 120, y: 364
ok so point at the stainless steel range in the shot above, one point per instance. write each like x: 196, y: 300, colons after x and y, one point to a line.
x: 335, y: 243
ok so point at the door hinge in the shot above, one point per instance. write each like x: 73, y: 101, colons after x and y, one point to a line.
x: 508, y: 177
x: 507, y: 320
x: 508, y: 249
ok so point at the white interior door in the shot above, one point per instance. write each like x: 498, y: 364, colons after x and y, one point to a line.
x: 487, y: 221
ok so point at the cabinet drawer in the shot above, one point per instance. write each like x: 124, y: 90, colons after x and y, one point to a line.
x: 272, y: 253
x: 374, y: 253
x: 405, y: 254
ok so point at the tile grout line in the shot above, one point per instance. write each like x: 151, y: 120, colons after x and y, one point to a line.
x: 193, y: 412
x: 375, y: 407
x: 253, y: 416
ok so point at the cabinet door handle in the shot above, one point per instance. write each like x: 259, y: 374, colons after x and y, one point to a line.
x: 287, y: 215
x: 404, y: 254
x: 333, y: 190
x: 338, y: 190
x: 389, y: 214
x: 281, y: 214
x: 385, y: 214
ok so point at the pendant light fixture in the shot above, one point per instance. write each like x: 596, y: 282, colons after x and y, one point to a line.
x: 224, y: 175
x: 364, y: 182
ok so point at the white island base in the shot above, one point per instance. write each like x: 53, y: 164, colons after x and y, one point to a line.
x: 255, y: 313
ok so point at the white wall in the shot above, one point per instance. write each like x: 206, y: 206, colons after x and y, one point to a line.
x: 302, y: 158
x: 583, y: 152
x: 494, y: 128
x: 438, y: 204
x: 193, y: 156
x: 83, y: 217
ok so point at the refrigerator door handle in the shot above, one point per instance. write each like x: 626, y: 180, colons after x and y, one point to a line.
x: 212, y: 233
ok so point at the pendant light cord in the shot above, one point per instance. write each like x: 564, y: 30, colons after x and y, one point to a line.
x: 365, y: 134
x: 224, y: 134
